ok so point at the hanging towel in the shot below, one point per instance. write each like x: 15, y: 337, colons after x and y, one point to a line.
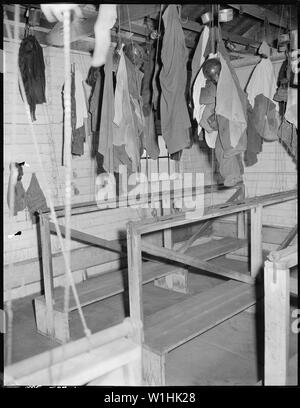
x: 175, y: 121
x: 106, y: 19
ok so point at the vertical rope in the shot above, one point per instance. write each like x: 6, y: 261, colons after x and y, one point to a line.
x: 68, y: 157
x: 11, y: 193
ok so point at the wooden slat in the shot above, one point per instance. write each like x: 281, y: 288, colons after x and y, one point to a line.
x: 134, y: 259
x: 148, y: 225
x: 256, y: 241
x: 289, y: 238
x: 187, y: 260
x: 177, y: 324
x: 113, y: 245
x: 109, y: 284
x: 216, y: 248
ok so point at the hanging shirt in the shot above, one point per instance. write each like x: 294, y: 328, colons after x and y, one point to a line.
x: 175, y: 121
x: 262, y: 81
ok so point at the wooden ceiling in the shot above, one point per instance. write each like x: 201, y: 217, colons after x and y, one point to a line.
x: 250, y: 22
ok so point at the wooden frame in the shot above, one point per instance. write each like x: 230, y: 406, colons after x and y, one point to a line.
x: 277, y: 285
x: 51, y: 319
x: 154, y: 361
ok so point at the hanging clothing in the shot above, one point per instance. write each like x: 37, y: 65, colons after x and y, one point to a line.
x: 229, y: 159
x: 32, y: 69
x: 198, y: 79
x: 15, y: 177
x: 81, y: 107
x: 265, y: 118
x: 262, y: 81
x: 291, y: 107
x: 107, y: 115
x: 149, y: 63
x: 35, y: 199
x: 175, y: 121
x: 231, y: 103
x: 288, y: 135
x: 125, y: 127
x: 198, y: 57
x: 254, y: 140
x: 96, y: 80
x: 106, y: 19
x: 150, y: 137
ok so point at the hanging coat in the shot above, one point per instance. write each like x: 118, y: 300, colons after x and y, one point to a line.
x: 107, y: 115
x: 32, y: 69
x: 175, y: 121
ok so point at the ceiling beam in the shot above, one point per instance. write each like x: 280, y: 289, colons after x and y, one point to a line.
x: 261, y: 13
x: 194, y: 26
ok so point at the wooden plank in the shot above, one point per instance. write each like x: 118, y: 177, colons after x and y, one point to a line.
x: 241, y: 224
x: 289, y: 238
x: 47, y: 272
x: 81, y: 369
x: 194, y: 262
x: 110, y: 284
x: 277, y: 324
x: 148, y: 225
x: 270, y: 234
x: 216, y: 248
x: 74, y: 348
x: 114, y: 245
x: 256, y: 256
x: 134, y: 257
x: 177, y: 324
x: 286, y: 258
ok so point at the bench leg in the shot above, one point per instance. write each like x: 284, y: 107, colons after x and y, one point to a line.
x: 153, y: 368
x: 177, y: 281
x: 61, y: 330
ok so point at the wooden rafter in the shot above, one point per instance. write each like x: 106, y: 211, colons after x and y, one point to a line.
x: 261, y: 13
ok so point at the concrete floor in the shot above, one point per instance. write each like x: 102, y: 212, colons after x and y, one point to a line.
x: 224, y: 355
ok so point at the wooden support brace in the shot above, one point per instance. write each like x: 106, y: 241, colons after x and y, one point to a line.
x: 277, y: 323
x: 48, y: 324
x: 289, y: 238
x: 256, y: 241
x: 134, y: 256
x: 241, y: 224
x: 194, y: 262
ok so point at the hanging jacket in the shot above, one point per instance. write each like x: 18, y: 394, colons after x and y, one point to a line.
x: 175, y: 121
x: 32, y: 68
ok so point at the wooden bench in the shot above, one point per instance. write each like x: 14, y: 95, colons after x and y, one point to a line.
x: 175, y: 325
x: 112, y: 283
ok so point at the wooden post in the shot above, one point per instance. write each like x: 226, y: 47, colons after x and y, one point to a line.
x: 47, y: 272
x: 241, y: 225
x: 134, y: 255
x: 256, y: 240
x: 277, y: 323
